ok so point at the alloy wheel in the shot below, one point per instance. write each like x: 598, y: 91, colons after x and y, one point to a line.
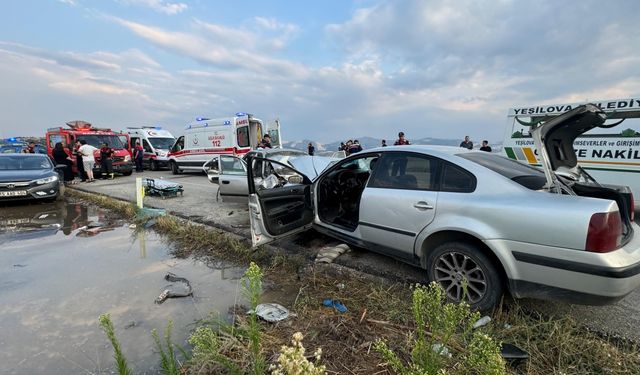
x: 456, y: 272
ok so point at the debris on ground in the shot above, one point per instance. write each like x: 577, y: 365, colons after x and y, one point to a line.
x: 94, y: 228
x: 180, y: 288
x: 271, y: 312
x: 330, y: 253
x: 150, y: 212
x: 482, y: 322
x: 335, y: 304
x: 512, y: 354
x: 149, y: 224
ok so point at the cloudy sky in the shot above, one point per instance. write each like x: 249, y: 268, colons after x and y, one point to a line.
x: 328, y: 69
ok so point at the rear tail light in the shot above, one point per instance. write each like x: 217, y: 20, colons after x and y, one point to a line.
x: 605, y: 232
x: 632, y: 209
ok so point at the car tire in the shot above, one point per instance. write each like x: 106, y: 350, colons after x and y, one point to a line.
x: 452, y: 262
x: 153, y: 165
x: 174, y: 168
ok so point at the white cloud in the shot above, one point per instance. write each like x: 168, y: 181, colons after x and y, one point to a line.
x: 161, y: 6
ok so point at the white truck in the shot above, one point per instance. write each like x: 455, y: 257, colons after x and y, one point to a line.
x: 205, y: 137
x: 156, y: 143
x: 611, y: 153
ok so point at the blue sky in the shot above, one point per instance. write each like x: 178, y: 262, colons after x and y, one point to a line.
x: 329, y: 70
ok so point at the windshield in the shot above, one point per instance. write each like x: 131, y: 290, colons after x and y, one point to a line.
x: 96, y: 140
x: 162, y: 143
x: 20, y: 162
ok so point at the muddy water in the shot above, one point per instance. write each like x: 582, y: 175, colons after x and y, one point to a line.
x: 57, y: 276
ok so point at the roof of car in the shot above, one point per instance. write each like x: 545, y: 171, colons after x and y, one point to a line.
x: 432, y: 149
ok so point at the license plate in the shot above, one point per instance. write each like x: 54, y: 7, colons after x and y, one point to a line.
x: 17, y: 193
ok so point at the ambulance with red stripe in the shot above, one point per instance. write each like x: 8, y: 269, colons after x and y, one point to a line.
x: 611, y: 153
x: 205, y: 137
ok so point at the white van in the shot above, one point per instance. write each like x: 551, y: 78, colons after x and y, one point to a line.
x: 206, y: 137
x: 156, y: 143
x: 611, y: 153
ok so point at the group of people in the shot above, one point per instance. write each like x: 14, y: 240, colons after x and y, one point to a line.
x: 469, y: 145
x: 85, y: 161
x: 350, y: 147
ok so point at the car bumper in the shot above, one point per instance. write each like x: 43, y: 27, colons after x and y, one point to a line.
x: 45, y: 191
x: 572, y: 275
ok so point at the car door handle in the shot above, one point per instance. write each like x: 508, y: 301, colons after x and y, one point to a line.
x: 423, y: 206
x: 225, y: 182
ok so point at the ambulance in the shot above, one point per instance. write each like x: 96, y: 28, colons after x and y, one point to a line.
x: 610, y: 153
x: 156, y: 143
x: 205, y: 137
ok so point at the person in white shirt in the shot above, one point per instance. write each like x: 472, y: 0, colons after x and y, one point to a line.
x: 88, y: 160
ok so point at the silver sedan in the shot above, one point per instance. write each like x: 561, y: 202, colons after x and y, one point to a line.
x: 478, y: 223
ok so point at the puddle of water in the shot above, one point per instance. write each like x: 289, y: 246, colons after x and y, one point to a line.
x: 55, y: 282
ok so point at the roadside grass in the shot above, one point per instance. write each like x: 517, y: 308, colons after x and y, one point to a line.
x: 377, y: 310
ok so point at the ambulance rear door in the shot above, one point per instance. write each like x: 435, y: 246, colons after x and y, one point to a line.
x: 273, y: 129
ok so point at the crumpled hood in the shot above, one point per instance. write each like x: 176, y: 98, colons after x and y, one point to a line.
x: 554, y: 139
x: 311, y: 166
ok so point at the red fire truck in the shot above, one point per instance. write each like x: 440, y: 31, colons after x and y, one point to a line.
x: 79, y: 130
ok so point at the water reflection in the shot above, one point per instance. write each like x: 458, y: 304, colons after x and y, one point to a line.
x: 54, y: 290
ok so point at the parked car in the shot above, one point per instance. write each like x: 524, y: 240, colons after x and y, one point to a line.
x: 29, y: 176
x: 473, y: 220
x: 230, y: 171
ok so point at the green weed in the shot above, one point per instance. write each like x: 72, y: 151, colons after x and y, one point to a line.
x: 109, y: 330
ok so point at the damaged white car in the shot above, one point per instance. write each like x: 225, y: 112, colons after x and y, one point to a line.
x: 472, y: 220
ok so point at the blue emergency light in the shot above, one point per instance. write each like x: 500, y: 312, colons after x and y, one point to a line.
x: 226, y: 122
x: 201, y: 119
x: 12, y: 139
x: 240, y: 114
x: 206, y: 124
x: 158, y: 127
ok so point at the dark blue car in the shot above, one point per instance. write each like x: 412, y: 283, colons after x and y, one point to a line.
x: 29, y: 177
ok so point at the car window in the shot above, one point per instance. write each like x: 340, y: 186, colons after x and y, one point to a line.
x: 178, y: 146
x: 55, y: 138
x: 231, y: 165
x: 403, y: 170
x: 457, y: 180
x: 146, y: 146
x: 525, y: 175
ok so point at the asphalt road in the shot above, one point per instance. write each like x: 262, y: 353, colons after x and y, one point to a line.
x: 199, y: 203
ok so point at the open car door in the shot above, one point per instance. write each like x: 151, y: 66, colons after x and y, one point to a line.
x: 212, y: 169
x: 279, y: 204
x: 232, y: 178
x: 273, y: 129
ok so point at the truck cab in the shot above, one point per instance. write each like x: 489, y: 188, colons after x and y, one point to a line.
x: 82, y: 130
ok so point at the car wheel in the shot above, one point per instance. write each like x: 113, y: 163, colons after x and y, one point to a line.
x: 174, y: 168
x: 153, y: 165
x: 457, y: 266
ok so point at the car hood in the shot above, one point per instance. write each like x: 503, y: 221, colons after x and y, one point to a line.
x: 311, y: 166
x: 24, y: 175
x: 554, y: 139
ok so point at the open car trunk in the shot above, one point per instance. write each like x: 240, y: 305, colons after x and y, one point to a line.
x: 554, y: 140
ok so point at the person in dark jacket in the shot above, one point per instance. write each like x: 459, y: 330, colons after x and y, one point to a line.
x: 310, y: 149
x: 61, y: 158
x: 485, y: 146
x: 401, y: 141
x: 106, y: 161
x: 266, y: 142
x: 138, y: 155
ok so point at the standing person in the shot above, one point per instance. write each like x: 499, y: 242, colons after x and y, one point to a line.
x: 310, y: 149
x: 60, y: 157
x: 485, y: 146
x: 79, y: 162
x: 266, y: 142
x: 466, y: 143
x: 401, y: 141
x: 31, y: 148
x: 384, y: 143
x: 106, y: 161
x: 138, y: 155
x: 355, y: 147
x: 342, y: 147
x: 88, y: 160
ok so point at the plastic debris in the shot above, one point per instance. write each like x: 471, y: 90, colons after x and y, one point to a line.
x: 330, y: 253
x: 132, y: 226
x: 481, y: 322
x: 271, y: 312
x: 507, y: 326
x: 513, y: 355
x: 180, y: 288
x: 150, y: 223
x: 341, y: 286
x: 335, y: 304
x: 439, y: 348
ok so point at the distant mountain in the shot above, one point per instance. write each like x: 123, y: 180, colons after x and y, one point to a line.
x: 369, y: 142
